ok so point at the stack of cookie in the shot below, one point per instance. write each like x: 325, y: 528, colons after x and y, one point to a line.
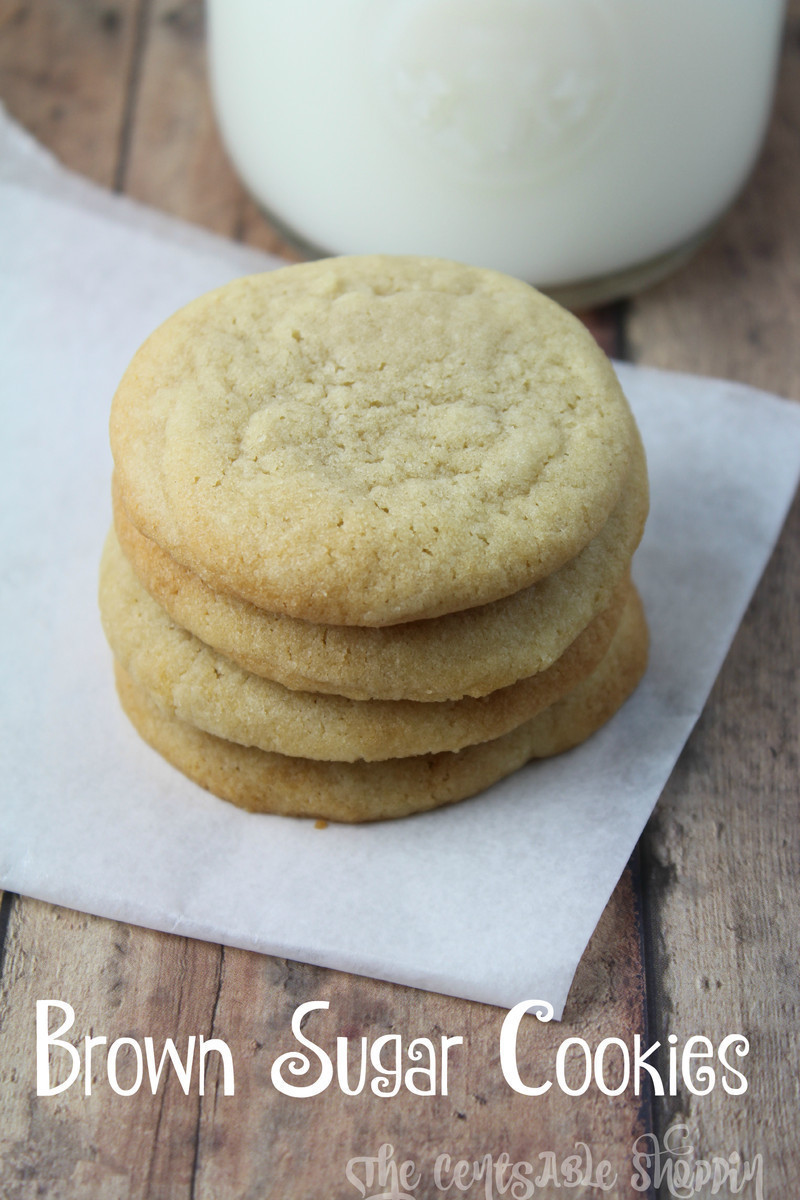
x: 373, y: 524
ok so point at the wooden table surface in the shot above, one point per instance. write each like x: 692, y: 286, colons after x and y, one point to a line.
x: 701, y: 936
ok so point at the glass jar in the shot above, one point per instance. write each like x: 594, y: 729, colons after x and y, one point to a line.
x: 583, y: 145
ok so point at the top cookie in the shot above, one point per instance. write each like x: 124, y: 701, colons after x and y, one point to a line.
x: 366, y: 441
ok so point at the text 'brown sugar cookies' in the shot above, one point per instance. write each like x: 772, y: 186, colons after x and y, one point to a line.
x: 374, y: 520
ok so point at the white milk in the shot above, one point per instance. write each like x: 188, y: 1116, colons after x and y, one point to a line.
x: 558, y: 140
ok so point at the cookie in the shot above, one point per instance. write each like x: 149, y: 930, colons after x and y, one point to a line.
x: 273, y: 783
x: 370, y: 441
x: 469, y: 653
x: 203, y: 688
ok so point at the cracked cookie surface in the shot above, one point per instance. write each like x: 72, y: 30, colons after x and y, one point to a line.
x: 368, y: 441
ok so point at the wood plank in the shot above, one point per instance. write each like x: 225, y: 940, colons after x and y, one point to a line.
x: 121, y: 981
x: 64, y: 70
x: 721, y: 864
x: 722, y: 867
x: 176, y: 160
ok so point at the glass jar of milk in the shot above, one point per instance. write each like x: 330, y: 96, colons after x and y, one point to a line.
x: 583, y: 145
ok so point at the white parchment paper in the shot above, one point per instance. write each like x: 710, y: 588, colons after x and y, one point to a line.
x: 493, y: 899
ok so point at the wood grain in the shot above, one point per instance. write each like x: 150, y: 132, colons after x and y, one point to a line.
x: 175, y: 160
x: 722, y: 867
x: 66, y: 69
